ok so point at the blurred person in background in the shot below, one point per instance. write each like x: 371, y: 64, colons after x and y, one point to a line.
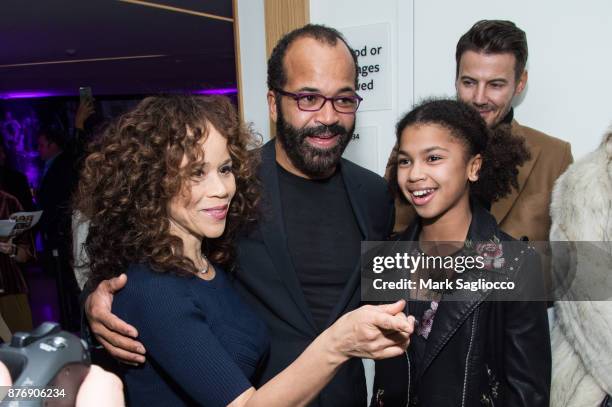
x: 14, y: 182
x: 14, y: 305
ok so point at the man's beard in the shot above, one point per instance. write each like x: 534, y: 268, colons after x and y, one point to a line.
x: 312, y: 161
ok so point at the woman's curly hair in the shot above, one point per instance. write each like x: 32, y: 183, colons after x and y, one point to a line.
x: 502, y: 152
x: 134, y: 169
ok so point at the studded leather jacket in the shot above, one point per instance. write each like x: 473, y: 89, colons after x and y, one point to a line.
x: 481, y: 351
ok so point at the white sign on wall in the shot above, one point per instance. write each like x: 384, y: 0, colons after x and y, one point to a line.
x: 371, y: 42
x: 363, y: 148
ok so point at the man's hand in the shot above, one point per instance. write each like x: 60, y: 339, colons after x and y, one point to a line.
x: 113, y: 333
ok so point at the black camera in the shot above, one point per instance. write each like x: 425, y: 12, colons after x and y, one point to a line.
x: 47, y: 366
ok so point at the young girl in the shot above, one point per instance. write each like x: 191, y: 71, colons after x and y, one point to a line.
x: 468, y: 350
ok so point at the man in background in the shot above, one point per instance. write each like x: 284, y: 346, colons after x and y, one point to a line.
x: 490, y: 74
x: 53, y: 197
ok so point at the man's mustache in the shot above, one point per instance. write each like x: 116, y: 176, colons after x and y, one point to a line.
x: 486, y: 106
x: 335, y: 129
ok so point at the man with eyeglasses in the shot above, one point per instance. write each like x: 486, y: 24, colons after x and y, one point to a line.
x: 299, y: 267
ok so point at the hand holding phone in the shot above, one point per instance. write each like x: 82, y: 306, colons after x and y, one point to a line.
x: 85, y: 93
x: 85, y: 109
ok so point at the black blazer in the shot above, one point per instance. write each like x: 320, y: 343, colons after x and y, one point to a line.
x: 267, y: 280
x: 481, y: 351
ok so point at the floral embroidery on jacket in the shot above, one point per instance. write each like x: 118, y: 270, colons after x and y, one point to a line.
x: 424, y: 328
x: 492, y: 252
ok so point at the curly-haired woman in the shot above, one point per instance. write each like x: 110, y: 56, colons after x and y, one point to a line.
x: 471, y: 347
x: 165, y: 191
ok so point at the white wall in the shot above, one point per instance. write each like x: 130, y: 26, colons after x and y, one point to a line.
x: 251, y: 26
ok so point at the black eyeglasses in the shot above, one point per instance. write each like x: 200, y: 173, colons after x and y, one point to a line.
x: 313, y: 102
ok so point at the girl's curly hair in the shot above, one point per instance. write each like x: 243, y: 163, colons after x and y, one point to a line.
x: 502, y: 152
x: 134, y: 169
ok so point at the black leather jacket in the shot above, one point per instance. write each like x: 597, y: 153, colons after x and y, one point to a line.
x: 480, y: 352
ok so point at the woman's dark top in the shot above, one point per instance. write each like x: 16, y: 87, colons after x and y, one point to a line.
x: 203, y: 343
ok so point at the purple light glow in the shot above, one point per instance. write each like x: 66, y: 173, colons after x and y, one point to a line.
x: 47, y: 313
x: 222, y: 91
x: 34, y: 94
x: 30, y: 94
